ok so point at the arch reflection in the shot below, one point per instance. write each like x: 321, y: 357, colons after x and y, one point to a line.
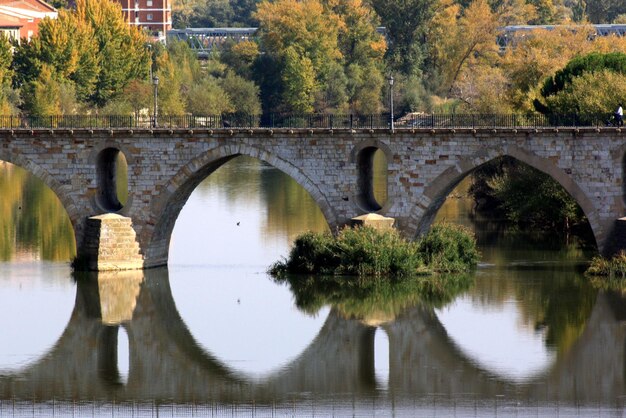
x: 165, y: 362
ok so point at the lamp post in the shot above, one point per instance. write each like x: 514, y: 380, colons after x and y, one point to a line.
x: 391, y: 102
x: 155, y: 82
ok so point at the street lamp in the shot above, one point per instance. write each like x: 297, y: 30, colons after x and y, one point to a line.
x: 155, y: 82
x: 391, y: 102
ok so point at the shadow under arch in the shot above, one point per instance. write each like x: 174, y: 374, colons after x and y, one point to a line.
x: 165, y: 210
x: 59, y: 190
x: 442, y: 186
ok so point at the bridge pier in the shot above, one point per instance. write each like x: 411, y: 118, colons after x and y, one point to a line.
x: 109, y: 243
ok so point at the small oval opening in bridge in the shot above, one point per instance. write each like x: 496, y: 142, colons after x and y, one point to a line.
x: 372, y: 179
x: 112, y: 172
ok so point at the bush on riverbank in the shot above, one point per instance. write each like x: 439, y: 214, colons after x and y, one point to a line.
x: 608, y: 273
x: 369, y: 253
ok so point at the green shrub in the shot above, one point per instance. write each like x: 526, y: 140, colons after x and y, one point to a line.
x: 370, y: 253
x: 449, y: 248
x: 608, y: 273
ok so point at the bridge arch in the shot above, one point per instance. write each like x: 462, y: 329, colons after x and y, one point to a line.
x: 62, y: 192
x: 165, y: 210
x: 363, y: 156
x: 423, y: 214
x: 107, y: 197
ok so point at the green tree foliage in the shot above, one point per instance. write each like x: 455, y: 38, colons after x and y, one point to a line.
x: 604, y: 11
x: 319, y: 55
x: 406, y: 22
x: 525, y: 196
x: 8, y: 97
x: 213, y: 13
x: 369, y: 253
x: 590, y: 93
x: 298, y: 78
x: 242, y: 93
x: 92, y: 48
x: 67, y: 46
x: 120, y: 47
x: 208, y: 97
x: 592, y: 83
x: 240, y: 57
x: 589, y: 63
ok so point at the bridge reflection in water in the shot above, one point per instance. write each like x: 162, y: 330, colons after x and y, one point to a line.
x: 166, y: 364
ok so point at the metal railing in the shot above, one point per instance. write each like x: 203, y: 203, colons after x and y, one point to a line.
x: 308, y: 121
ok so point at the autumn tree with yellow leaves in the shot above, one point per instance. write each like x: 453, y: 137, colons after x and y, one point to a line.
x: 91, y: 49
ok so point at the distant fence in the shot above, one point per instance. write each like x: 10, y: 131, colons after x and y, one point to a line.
x: 307, y: 121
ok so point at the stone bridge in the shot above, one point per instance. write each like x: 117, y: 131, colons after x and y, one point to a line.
x: 334, y: 166
x: 167, y: 365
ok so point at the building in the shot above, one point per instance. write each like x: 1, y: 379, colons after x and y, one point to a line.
x: 153, y: 15
x: 19, y: 19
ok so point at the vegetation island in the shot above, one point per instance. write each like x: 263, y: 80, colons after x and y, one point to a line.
x: 358, y: 259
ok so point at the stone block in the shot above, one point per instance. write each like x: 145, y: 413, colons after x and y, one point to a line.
x: 373, y: 220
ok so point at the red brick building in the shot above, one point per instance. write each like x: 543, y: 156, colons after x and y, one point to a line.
x: 154, y: 15
x: 20, y: 18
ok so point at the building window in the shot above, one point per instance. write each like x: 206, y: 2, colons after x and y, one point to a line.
x: 149, y: 16
x: 149, y: 3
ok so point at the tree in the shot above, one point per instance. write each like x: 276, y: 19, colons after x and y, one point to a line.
x: 91, y: 47
x: 590, y: 63
x: 359, y: 82
x: 406, y: 22
x: 460, y: 40
x: 592, y: 83
x: 207, y: 97
x: 243, y: 94
x: 240, y: 57
x: 301, y: 38
x: 303, y: 26
x: 597, y: 92
x: 136, y: 97
x: 67, y: 45
x: 320, y: 55
x: 213, y: 13
x: 121, y: 47
x: 298, y: 79
x: 8, y: 102
x: 604, y: 11
x: 43, y: 95
x: 540, y: 54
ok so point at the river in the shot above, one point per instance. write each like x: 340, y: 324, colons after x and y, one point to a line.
x: 213, y: 334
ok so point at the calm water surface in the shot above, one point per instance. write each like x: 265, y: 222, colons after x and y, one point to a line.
x: 214, y: 335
